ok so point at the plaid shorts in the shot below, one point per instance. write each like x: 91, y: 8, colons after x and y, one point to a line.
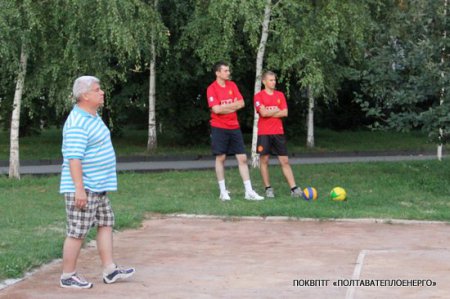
x: 98, y: 212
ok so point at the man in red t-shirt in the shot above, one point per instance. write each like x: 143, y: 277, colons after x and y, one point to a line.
x: 224, y: 99
x: 271, y: 106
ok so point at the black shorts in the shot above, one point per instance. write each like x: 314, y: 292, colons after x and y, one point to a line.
x: 274, y: 145
x: 229, y: 142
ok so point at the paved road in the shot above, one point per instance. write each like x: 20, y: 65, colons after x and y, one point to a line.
x: 148, y: 166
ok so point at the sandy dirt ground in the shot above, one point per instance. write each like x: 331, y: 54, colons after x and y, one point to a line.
x: 256, y: 258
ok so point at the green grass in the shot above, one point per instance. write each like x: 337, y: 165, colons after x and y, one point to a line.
x: 32, y: 216
x: 133, y: 143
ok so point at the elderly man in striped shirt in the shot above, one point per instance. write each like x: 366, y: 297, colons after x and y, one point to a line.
x: 88, y: 173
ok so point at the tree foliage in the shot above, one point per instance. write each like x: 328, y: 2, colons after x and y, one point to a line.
x: 317, y: 41
x: 392, y: 54
x: 405, y: 77
x: 70, y: 38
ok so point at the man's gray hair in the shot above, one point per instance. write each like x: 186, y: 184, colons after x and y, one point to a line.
x: 82, y: 85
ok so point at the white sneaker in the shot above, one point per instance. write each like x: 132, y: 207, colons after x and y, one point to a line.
x: 252, y: 195
x: 270, y: 193
x: 75, y: 282
x: 224, y: 196
x: 118, y: 274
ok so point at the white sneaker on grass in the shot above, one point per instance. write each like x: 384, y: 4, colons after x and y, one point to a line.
x: 270, y: 193
x: 224, y: 196
x: 297, y: 192
x: 252, y: 195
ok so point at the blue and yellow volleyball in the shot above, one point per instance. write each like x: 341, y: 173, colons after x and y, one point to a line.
x: 310, y: 193
x: 338, y: 194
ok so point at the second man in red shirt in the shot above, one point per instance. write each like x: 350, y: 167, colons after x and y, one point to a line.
x: 271, y: 106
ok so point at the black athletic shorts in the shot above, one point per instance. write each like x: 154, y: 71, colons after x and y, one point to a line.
x: 229, y: 142
x: 274, y: 145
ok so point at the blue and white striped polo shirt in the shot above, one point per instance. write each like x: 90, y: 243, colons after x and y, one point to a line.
x: 86, y: 137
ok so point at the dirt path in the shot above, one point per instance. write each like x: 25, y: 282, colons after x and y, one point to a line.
x: 214, y: 258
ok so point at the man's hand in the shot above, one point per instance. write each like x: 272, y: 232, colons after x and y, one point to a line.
x: 80, y: 199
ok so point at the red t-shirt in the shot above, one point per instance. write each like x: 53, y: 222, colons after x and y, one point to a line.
x: 218, y: 95
x: 270, y: 125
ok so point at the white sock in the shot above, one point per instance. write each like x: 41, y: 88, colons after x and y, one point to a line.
x: 248, y: 186
x: 222, y: 187
x: 109, y: 269
x: 67, y: 275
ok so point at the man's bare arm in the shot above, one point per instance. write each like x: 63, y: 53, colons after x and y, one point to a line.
x: 76, y: 171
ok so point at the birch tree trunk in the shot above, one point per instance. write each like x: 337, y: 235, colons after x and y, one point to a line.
x: 310, y: 121
x: 259, y: 65
x: 152, y: 140
x: 444, y: 36
x: 14, y: 162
